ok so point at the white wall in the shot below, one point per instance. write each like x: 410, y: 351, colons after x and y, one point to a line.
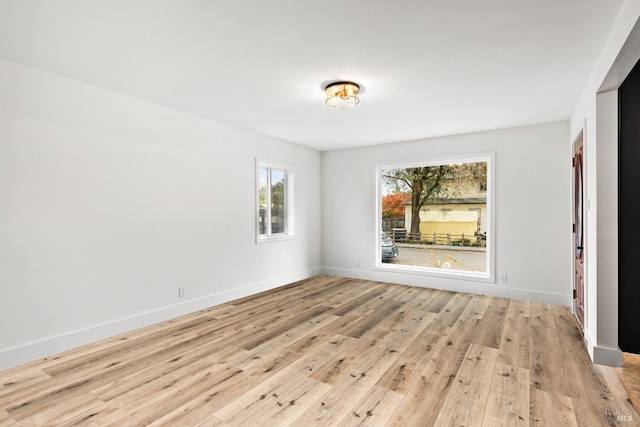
x: 596, y: 111
x: 533, y: 195
x: 109, y: 203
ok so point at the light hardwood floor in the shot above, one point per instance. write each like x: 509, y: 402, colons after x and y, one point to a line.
x: 629, y: 375
x: 330, y: 351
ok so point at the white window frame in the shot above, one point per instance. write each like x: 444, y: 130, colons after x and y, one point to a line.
x: 484, y: 276
x: 289, y: 171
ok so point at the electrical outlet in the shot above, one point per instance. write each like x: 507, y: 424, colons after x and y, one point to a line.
x: 358, y: 264
x: 503, y: 278
x: 181, y: 291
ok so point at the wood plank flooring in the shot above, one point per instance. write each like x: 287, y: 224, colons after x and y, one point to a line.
x: 330, y: 351
x: 629, y: 375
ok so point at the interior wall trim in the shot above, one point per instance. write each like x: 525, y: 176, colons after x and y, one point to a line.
x: 34, y: 350
x: 468, y: 286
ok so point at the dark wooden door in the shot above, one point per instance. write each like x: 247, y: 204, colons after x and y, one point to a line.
x: 578, y: 228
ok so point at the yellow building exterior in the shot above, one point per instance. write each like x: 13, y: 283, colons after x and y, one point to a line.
x: 453, y: 217
x: 447, y: 226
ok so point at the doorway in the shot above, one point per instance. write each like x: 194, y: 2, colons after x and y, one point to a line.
x: 578, y: 227
x: 628, y: 212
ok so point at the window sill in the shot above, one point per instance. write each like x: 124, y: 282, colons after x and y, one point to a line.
x: 477, y: 276
x: 277, y: 238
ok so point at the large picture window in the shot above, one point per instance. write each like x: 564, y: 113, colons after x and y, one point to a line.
x: 274, y: 201
x: 436, y: 217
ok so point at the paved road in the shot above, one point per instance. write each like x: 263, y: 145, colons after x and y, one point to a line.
x: 432, y: 256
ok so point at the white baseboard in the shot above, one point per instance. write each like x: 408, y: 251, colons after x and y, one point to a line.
x: 607, y: 356
x: 25, y: 353
x: 468, y: 286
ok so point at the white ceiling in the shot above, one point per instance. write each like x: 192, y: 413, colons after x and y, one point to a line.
x: 428, y: 67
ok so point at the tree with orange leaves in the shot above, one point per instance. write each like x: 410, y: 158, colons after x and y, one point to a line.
x: 392, y: 205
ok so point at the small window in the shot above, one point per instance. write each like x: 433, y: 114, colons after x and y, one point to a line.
x: 274, y: 201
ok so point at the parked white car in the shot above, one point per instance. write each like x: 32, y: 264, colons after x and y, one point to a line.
x: 389, y: 248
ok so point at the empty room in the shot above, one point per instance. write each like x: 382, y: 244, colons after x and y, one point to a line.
x: 281, y: 213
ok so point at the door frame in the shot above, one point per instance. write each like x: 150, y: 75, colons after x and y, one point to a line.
x: 578, y: 231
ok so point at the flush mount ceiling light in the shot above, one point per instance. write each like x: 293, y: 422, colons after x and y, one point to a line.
x: 342, y: 94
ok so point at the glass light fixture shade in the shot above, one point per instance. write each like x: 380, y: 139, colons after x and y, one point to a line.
x: 342, y: 94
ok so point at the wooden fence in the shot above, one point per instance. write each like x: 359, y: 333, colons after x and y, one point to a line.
x: 388, y: 224
x: 401, y: 235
